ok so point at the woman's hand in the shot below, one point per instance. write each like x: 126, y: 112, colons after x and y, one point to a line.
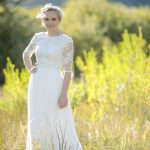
x: 63, y: 100
x: 34, y: 69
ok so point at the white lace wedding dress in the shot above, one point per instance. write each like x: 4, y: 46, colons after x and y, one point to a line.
x: 50, y: 127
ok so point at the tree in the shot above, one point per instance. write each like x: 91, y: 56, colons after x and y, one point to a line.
x: 14, y: 34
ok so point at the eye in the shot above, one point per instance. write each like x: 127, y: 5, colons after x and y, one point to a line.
x: 46, y: 19
x: 53, y: 19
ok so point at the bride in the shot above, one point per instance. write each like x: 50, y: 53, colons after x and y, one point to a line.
x: 51, y: 124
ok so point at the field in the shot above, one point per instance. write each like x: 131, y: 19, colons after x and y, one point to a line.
x: 110, y: 100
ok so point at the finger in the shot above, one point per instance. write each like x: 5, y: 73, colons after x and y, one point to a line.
x: 62, y: 105
x: 35, y: 70
x: 59, y: 102
x: 59, y: 105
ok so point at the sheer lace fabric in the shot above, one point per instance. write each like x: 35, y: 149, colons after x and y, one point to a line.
x: 68, y: 57
x: 44, y: 89
x: 30, y: 49
x: 59, y: 58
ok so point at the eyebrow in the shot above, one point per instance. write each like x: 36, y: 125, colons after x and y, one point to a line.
x: 50, y: 18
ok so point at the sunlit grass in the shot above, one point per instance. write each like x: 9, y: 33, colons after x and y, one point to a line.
x: 110, y: 101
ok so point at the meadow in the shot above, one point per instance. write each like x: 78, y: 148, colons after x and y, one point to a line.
x: 110, y: 99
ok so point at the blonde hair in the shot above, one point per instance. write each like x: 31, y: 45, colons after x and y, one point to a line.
x: 50, y: 7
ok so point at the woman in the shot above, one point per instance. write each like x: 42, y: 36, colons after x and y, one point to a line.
x: 50, y: 120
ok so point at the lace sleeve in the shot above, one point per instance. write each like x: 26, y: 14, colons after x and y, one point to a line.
x: 31, y: 47
x: 68, y: 56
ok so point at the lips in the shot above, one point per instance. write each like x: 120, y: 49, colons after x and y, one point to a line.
x: 50, y: 26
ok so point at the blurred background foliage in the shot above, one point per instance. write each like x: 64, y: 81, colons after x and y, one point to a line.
x: 111, y: 98
x: 109, y: 93
x: 90, y: 26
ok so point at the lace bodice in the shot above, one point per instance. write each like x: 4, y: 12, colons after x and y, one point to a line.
x: 52, y: 50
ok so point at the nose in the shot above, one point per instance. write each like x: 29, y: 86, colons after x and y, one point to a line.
x: 50, y: 22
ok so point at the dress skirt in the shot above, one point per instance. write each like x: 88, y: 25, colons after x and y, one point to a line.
x: 49, y: 127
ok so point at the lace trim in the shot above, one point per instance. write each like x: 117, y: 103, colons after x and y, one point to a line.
x: 29, y: 49
x: 68, y: 57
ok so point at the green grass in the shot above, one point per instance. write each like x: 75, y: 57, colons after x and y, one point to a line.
x: 110, y: 101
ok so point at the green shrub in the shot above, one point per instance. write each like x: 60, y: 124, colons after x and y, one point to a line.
x: 93, y: 25
x: 13, y: 100
x: 114, y: 96
x: 118, y: 84
x: 110, y: 100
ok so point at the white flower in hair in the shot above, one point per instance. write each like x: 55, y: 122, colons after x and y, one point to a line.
x: 39, y: 15
x: 46, y: 7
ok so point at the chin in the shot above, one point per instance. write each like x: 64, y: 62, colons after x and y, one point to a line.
x: 50, y: 27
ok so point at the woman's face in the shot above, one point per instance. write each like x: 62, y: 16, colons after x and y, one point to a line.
x: 50, y: 20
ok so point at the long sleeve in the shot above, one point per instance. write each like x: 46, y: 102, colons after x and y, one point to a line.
x: 30, y: 49
x: 28, y: 52
x: 68, y: 56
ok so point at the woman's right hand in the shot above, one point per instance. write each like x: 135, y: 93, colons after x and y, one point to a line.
x: 33, y: 69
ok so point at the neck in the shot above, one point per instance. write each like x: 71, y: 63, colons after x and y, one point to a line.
x: 53, y: 32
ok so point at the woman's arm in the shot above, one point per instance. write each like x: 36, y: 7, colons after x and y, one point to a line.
x: 68, y: 61
x: 27, y: 54
x: 63, y: 99
x: 66, y: 82
x: 27, y: 60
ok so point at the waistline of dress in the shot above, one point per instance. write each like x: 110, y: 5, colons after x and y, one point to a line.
x: 47, y: 64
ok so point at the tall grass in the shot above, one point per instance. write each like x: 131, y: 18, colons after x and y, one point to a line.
x: 110, y: 101
x: 113, y: 96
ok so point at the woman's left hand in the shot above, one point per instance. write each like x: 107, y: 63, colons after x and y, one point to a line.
x: 63, y: 100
